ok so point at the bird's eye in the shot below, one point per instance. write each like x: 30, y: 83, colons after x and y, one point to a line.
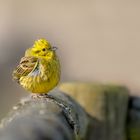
x: 44, y: 49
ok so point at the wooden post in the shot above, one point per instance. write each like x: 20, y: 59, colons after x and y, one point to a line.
x: 107, y: 104
x: 102, y: 112
x: 49, y: 117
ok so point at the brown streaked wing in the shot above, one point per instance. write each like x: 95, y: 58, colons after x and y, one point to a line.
x: 26, y: 65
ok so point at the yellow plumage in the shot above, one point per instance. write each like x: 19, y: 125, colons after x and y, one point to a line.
x: 39, y: 70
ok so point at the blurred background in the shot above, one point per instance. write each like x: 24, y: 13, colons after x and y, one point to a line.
x: 98, y: 40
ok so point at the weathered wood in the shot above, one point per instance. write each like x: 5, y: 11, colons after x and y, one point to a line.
x: 113, y: 115
x: 52, y: 117
x: 106, y: 103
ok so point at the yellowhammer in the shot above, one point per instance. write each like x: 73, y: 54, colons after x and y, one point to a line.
x: 39, y: 70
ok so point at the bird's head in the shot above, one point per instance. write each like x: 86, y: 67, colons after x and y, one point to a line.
x: 42, y: 49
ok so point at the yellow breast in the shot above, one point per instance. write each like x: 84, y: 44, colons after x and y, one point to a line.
x: 45, y: 79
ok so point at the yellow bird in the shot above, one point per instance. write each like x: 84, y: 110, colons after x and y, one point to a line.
x: 39, y: 70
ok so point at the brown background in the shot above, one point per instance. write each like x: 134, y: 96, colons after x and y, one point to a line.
x: 98, y: 40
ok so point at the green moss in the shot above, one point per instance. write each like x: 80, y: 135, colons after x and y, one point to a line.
x: 134, y: 133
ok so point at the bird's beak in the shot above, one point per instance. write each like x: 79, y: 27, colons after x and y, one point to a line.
x: 54, y: 48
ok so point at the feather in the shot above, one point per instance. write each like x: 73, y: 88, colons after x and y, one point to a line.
x: 26, y: 65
